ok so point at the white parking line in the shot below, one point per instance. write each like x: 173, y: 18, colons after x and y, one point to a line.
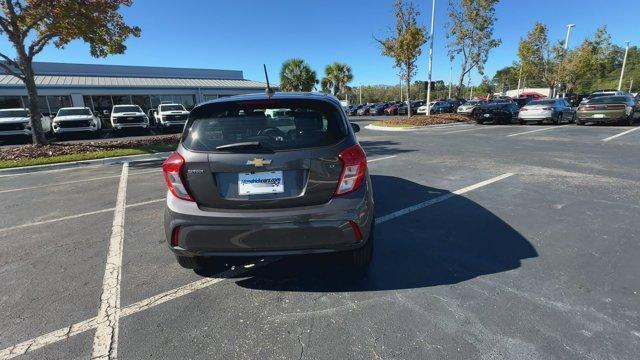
x: 441, y: 198
x: 49, y: 171
x: 621, y: 134
x: 70, y: 217
x: 76, y: 181
x: 86, y: 325
x: 105, y: 340
x: 381, y: 158
x: 475, y: 127
x: 537, y: 130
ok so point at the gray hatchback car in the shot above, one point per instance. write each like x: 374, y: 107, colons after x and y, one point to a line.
x: 256, y: 176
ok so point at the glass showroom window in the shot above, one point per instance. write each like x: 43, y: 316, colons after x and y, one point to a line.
x: 57, y: 102
x: 143, y: 101
x: 10, y: 102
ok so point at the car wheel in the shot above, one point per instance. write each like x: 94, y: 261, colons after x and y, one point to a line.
x: 361, y: 258
x: 97, y: 134
x: 479, y: 122
x: 573, y: 119
x: 522, y: 122
x: 630, y: 120
x: 187, y: 262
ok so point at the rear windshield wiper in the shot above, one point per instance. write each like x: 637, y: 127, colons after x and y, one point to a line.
x: 241, y: 145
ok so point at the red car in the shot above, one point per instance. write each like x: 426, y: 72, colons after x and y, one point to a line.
x: 391, y: 110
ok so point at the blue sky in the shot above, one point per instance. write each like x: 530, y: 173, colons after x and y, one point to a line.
x: 243, y: 34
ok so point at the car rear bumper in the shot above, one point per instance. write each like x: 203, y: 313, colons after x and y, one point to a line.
x: 302, y: 230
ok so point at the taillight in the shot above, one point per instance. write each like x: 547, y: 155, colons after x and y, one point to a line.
x: 524, y: 109
x: 354, y: 168
x: 172, y: 176
x: 356, y: 230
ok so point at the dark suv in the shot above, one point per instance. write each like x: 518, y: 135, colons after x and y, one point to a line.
x: 257, y: 176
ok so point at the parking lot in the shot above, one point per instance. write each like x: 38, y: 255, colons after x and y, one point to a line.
x: 495, y: 241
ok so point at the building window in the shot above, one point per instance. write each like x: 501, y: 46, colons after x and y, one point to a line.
x: 121, y: 100
x: 144, y: 101
x: 9, y: 102
x: 57, y: 102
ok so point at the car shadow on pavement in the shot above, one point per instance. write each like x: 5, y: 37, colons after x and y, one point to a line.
x: 446, y: 243
x: 382, y: 147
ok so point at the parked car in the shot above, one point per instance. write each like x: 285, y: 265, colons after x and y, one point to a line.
x: 555, y: 111
x: 76, y: 119
x: 169, y: 116
x: 378, y: 109
x: 496, y: 113
x: 353, y: 110
x: 363, y: 110
x: 238, y: 187
x: 128, y: 117
x: 392, y: 109
x: 402, y: 109
x: 455, y: 103
x: 601, y: 93
x: 467, y: 108
x: 437, y: 107
x: 609, y: 109
x: 16, y: 123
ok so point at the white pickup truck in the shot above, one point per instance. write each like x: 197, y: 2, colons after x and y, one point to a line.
x: 128, y: 117
x: 170, y: 116
x: 16, y: 122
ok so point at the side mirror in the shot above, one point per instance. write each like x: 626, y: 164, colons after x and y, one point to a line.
x: 355, y: 127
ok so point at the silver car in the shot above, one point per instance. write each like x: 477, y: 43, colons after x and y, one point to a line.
x: 242, y: 183
x: 467, y: 108
x: 555, y: 111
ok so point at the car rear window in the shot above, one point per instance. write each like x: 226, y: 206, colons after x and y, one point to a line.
x: 608, y: 99
x: 275, y: 124
x: 542, y: 102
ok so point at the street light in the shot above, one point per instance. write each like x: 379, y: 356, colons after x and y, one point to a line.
x: 450, y: 71
x: 624, y: 63
x: 566, y: 46
x: 433, y: 15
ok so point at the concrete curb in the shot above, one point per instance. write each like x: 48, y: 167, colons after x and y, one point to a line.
x: 82, y: 163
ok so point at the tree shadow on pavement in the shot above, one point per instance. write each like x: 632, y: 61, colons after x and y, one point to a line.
x: 446, y: 243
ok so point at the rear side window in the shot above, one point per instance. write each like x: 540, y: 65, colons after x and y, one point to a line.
x: 276, y: 124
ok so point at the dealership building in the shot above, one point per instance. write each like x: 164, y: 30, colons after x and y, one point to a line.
x: 99, y: 87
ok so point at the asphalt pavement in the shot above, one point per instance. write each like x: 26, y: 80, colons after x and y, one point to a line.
x: 492, y: 242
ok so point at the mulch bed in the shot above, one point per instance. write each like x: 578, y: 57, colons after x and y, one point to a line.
x: 56, y: 149
x: 423, y: 120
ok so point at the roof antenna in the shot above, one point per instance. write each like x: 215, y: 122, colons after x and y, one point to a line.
x: 269, y: 91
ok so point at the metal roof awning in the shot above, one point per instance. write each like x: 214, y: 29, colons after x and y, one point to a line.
x: 130, y: 82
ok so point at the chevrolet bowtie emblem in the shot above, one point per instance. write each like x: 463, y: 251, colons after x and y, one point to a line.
x: 258, y: 162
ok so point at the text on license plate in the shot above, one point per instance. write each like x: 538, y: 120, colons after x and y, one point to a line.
x: 598, y: 116
x: 268, y: 182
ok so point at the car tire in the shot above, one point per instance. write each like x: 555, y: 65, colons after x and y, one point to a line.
x: 629, y: 121
x: 361, y: 257
x: 187, y: 262
x: 573, y: 119
x: 522, y: 122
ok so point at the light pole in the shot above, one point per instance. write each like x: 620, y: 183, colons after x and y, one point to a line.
x: 624, y: 63
x: 450, y: 72
x: 519, y: 81
x: 433, y: 15
x: 630, y: 85
x: 566, y: 46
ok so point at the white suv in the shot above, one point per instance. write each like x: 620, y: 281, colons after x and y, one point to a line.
x: 76, y: 119
x: 127, y: 117
x: 16, y: 122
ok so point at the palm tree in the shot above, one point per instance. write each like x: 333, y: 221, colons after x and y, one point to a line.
x: 336, y: 77
x: 296, y: 75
